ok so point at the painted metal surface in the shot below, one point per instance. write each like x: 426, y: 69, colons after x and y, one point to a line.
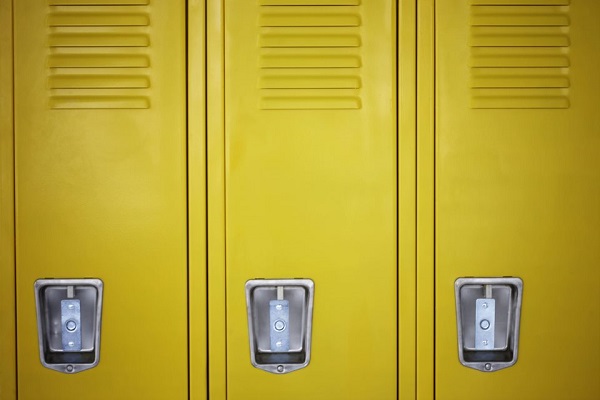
x: 68, y: 89
x: 310, y: 190
x: 101, y: 187
x: 518, y: 187
x: 197, y: 199
x: 425, y: 179
x: 8, y: 361
x: 406, y: 109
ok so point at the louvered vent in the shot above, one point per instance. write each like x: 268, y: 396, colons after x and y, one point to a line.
x: 309, y: 54
x: 99, y: 54
x: 520, y: 53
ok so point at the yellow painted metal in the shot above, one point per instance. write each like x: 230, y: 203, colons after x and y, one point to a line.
x: 425, y: 200
x: 8, y: 378
x: 101, y: 192
x: 197, y: 251
x: 407, y: 175
x: 518, y: 193
x: 216, y: 202
x: 310, y: 186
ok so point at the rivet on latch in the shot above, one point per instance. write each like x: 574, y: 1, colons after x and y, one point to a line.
x: 280, y: 368
x: 71, y: 325
x: 69, y: 368
x: 279, y: 325
x: 488, y: 366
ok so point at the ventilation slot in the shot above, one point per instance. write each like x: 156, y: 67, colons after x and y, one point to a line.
x: 520, y: 54
x: 98, y: 54
x: 309, y: 54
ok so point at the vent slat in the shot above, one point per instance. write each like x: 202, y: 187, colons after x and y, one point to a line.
x: 98, y: 2
x: 94, y: 39
x: 98, y: 81
x: 98, y: 19
x: 309, y: 2
x: 521, y: 2
x: 519, y: 98
x: 310, y: 103
x: 309, y: 60
x: 98, y: 60
x: 309, y: 16
x: 536, y: 57
x: 99, y: 102
x: 309, y: 37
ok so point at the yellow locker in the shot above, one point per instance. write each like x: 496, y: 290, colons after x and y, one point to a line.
x: 100, y: 183
x: 302, y: 183
x: 517, y: 187
x: 317, y: 165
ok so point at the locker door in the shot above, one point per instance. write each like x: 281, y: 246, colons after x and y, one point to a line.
x: 518, y: 187
x: 309, y: 162
x: 101, y: 187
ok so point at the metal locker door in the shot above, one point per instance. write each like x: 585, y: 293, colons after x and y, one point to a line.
x: 100, y: 156
x: 304, y: 159
x: 518, y: 188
